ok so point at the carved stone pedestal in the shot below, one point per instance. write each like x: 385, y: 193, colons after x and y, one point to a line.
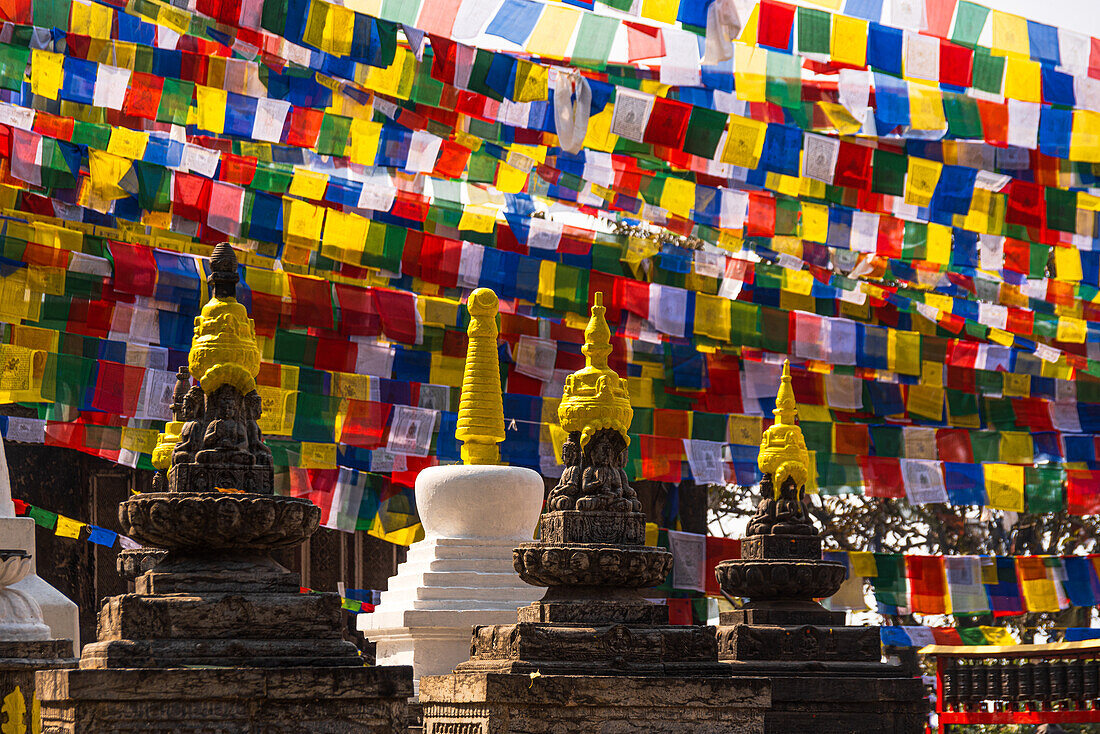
x: 18, y: 663
x: 494, y: 703
x: 226, y: 701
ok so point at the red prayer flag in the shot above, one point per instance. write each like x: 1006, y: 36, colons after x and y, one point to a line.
x: 397, y: 309
x: 775, y: 23
x: 679, y: 611
x: 1082, y: 492
x: 718, y: 550
x: 135, y: 270
x: 881, y: 477
x: 956, y: 64
x: 643, y: 42
x: 927, y: 583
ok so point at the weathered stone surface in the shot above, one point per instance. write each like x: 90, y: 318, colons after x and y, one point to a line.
x: 577, y: 526
x: 133, y: 562
x: 782, y: 613
x: 835, y: 703
x: 490, y: 703
x: 592, y: 564
x: 609, y: 649
x: 595, y: 611
x: 237, y: 701
x: 756, y: 547
x: 747, y: 642
x: 241, y: 573
x: 18, y: 663
x: 760, y: 579
x: 204, y: 522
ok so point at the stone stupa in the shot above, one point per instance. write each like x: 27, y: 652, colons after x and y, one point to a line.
x: 826, y: 676
x: 593, y: 654
x: 38, y: 625
x: 218, y: 637
x: 473, y: 514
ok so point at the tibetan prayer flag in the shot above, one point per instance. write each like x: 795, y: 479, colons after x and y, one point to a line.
x: 68, y: 528
x: 1037, y: 586
x: 1004, y: 485
x: 964, y: 582
x: 928, y: 585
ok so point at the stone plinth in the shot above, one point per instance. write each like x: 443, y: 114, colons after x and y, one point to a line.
x: 58, y: 613
x: 494, y: 703
x: 18, y: 663
x: 226, y: 701
x: 461, y: 574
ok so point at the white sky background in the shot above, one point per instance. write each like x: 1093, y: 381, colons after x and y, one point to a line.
x: 1082, y: 16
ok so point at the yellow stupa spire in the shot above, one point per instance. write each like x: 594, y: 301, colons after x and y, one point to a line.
x: 224, y: 350
x: 481, y: 407
x: 595, y: 396
x: 783, y: 451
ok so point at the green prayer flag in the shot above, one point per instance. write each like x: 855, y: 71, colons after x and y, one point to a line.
x: 889, y: 584
x: 1061, y: 209
x: 989, y: 71
x: 963, y: 120
x: 888, y: 172
x: 400, y: 11
x: 1044, y: 489
x: 52, y: 14
x: 784, y: 80
x: 972, y: 636
x: 594, y: 37
x: 13, y: 64
x: 333, y: 136
x: 175, y: 100
x: 273, y: 18
x: 42, y: 518
x: 704, y: 130
x: 813, y: 31
x: 969, y: 22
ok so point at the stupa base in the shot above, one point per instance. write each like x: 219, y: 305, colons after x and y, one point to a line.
x: 225, y: 701
x: 19, y: 661
x: 495, y: 703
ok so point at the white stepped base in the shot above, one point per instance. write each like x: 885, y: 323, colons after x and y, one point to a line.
x: 58, y: 612
x: 461, y: 574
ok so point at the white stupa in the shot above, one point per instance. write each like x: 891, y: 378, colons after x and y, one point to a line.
x: 473, y: 515
x: 30, y: 609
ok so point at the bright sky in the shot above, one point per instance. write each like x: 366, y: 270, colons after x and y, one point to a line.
x: 1074, y: 15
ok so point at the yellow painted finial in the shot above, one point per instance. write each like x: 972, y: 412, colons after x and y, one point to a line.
x: 481, y: 408
x: 783, y: 451
x: 224, y: 350
x: 595, y: 397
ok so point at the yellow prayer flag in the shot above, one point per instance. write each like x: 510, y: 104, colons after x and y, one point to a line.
x: 547, y: 273
x: 532, y: 81
x: 552, y: 34
x: 938, y: 244
x: 840, y: 118
x: 46, y: 73
x: 744, y: 142
x: 1084, y: 144
x: 67, y: 527
x: 1022, y: 80
x: 921, y: 181
x: 863, y: 564
x: 127, y: 143
x: 175, y: 18
x: 678, y: 196
x: 447, y: 370
x: 651, y: 532
x: 750, y: 69
x: 663, y: 11
x: 599, y: 136
x: 1067, y: 262
x: 849, y: 41
x: 925, y: 401
x: 712, y: 317
x: 211, y: 108
x: 1017, y: 386
x: 997, y: 635
x: 1010, y: 37
x: 345, y: 235
x: 815, y: 222
x: 317, y: 455
x: 339, y: 27
x: 308, y: 184
x: 640, y: 390
x: 1039, y: 592
x: 1016, y: 447
x: 1071, y: 330
x: 364, y: 141
x: 926, y: 108
x: 303, y: 221
x: 106, y: 172
x: 903, y: 351
x: 1004, y: 486
x: 745, y: 430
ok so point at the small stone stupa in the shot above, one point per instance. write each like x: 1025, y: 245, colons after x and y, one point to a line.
x: 217, y: 636
x: 593, y: 654
x: 461, y: 573
x: 826, y: 677
x: 28, y: 642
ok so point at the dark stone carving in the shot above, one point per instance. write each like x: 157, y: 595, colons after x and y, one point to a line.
x: 543, y: 564
x: 783, y: 515
x: 594, y: 479
x: 827, y: 676
x: 208, y: 592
